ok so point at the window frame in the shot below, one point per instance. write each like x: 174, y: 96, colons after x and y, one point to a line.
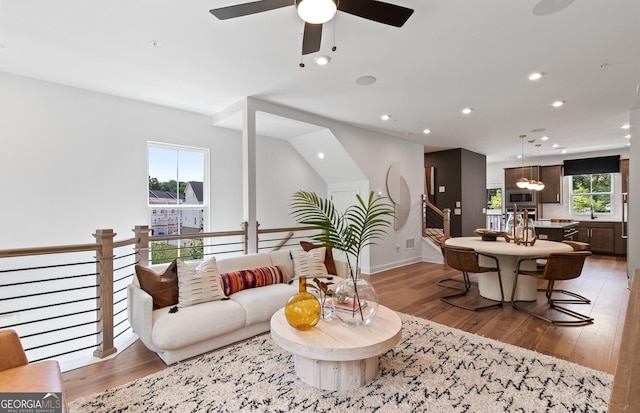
x: 206, y: 184
x: 590, y: 194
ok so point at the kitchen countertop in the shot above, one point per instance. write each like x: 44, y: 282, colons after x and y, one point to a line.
x: 546, y: 224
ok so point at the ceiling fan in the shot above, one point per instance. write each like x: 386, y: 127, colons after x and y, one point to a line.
x: 316, y: 12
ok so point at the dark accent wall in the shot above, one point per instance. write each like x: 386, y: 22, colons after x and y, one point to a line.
x: 463, y: 174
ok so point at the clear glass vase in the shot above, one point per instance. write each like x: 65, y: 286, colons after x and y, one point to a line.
x: 355, y: 301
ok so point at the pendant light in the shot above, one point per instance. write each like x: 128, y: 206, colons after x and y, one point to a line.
x: 522, y: 182
x: 532, y: 182
x: 539, y: 184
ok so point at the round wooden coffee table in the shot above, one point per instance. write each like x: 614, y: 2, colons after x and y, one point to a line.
x: 335, y: 356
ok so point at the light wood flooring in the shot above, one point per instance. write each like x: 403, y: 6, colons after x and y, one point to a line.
x: 411, y: 289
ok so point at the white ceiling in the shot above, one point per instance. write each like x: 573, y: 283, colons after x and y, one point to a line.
x: 450, y: 54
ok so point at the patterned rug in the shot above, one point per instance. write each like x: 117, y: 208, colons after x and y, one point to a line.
x: 433, y: 369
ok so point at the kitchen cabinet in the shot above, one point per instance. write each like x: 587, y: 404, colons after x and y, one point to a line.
x: 552, y: 177
x: 624, y: 172
x: 511, y: 175
x: 601, y: 236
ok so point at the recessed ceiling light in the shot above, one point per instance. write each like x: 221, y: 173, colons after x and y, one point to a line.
x: 628, y: 143
x: 320, y: 155
x: 625, y: 126
x: 366, y: 80
x: 322, y: 60
x: 154, y: 43
x: 563, y: 151
x: 535, y: 76
x: 467, y: 111
x: 544, y: 138
x: 519, y: 156
x: 557, y: 103
x: 555, y: 145
x: 385, y: 117
x: 426, y: 131
x: 627, y: 136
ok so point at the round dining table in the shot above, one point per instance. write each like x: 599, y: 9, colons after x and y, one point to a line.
x: 508, y: 255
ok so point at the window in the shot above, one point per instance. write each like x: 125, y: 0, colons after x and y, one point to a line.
x: 177, y: 181
x: 494, y: 208
x: 591, y: 193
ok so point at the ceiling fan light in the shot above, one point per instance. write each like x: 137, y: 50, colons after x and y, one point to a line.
x: 316, y: 11
x: 522, y: 183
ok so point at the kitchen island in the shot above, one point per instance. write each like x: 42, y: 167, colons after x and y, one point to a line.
x: 556, y: 231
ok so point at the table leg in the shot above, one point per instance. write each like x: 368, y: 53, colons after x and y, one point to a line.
x: 488, y: 282
x: 336, y: 375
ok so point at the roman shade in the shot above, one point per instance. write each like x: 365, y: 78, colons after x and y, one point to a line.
x: 599, y: 165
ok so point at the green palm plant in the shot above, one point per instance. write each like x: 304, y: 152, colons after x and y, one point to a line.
x: 359, y: 226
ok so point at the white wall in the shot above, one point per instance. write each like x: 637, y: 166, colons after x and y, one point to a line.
x: 73, y: 161
x: 281, y: 171
x: 374, y: 153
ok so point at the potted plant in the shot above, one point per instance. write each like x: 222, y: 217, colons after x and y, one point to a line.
x: 355, y: 301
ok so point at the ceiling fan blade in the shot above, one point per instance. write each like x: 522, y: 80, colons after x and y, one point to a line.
x: 311, y: 38
x: 378, y: 11
x: 245, y: 9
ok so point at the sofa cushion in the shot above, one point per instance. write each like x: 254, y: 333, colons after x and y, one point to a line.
x: 195, y: 323
x: 235, y: 281
x: 309, y: 263
x: 260, y: 304
x: 328, y: 258
x: 242, y: 262
x: 163, y: 288
x: 200, y: 284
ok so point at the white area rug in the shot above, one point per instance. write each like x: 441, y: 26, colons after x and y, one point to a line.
x: 434, y: 369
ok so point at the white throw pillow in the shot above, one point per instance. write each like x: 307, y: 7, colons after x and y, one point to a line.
x: 200, y: 284
x: 309, y: 263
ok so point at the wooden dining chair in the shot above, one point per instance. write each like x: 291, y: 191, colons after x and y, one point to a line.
x: 467, y: 260
x: 577, y: 298
x: 450, y: 282
x: 558, y: 267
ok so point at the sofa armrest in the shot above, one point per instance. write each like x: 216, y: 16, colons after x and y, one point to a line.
x: 140, y: 312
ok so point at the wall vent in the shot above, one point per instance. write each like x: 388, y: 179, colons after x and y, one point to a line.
x: 410, y: 243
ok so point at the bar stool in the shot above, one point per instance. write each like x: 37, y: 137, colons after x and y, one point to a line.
x: 559, y: 266
x: 467, y: 261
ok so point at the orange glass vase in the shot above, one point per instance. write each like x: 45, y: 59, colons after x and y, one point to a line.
x: 303, y: 309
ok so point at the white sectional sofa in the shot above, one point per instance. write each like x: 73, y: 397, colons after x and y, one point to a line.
x: 196, y: 329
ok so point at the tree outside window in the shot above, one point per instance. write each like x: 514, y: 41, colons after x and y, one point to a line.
x: 591, y: 193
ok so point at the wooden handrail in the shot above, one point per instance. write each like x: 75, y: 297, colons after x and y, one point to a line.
x: 56, y: 249
x: 445, y: 214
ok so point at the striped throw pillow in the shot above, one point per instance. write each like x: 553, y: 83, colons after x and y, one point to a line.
x: 309, y: 263
x: 200, y: 284
x: 235, y: 281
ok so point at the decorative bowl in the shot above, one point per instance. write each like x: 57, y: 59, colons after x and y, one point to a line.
x: 487, y: 234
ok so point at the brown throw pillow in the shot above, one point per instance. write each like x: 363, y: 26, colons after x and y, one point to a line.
x: 328, y: 258
x: 163, y: 288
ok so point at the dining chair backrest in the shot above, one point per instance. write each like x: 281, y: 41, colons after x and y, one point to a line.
x: 11, y: 349
x: 461, y: 258
x: 565, y: 266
